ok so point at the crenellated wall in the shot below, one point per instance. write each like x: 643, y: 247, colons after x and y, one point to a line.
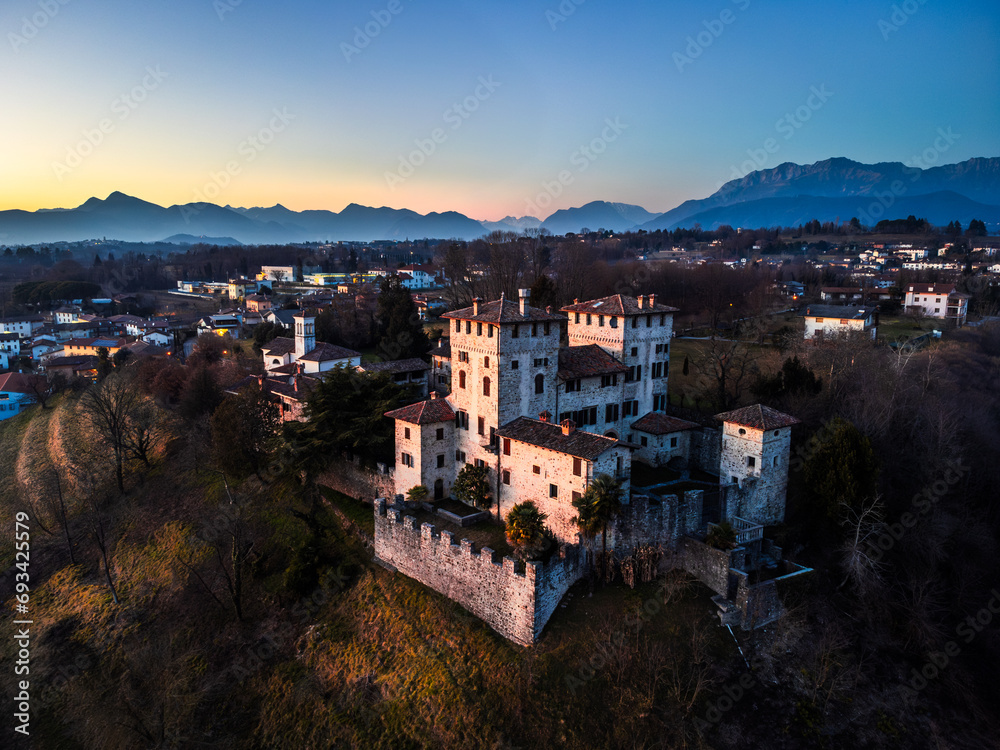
x: 516, y: 605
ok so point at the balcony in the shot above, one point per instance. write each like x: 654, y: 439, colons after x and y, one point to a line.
x: 746, y: 531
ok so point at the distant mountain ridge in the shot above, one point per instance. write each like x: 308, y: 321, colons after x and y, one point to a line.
x: 836, y: 189
x: 880, y: 190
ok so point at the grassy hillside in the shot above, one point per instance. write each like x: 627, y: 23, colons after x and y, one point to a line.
x: 299, y: 641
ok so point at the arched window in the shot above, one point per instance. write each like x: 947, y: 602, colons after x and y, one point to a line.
x: 486, y: 386
x: 539, y: 383
x: 461, y: 378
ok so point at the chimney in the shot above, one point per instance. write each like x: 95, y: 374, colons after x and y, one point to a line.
x: 544, y: 416
x: 548, y: 309
x: 652, y: 300
x: 434, y: 395
x: 295, y: 382
x: 524, y: 295
x: 260, y: 380
x: 568, y: 427
x: 475, y: 306
x: 641, y: 300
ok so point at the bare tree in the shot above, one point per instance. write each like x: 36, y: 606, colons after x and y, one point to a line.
x: 111, y: 407
x: 861, y: 566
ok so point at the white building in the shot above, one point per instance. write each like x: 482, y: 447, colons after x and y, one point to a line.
x: 283, y: 351
x: 830, y: 321
x: 937, y: 301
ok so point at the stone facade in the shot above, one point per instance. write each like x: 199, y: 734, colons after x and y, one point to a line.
x: 354, y: 480
x: 516, y: 605
x: 763, y: 455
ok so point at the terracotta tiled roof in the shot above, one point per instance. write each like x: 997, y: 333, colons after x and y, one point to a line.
x: 584, y: 445
x: 619, y: 304
x: 656, y: 423
x: 327, y: 352
x: 758, y: 417
x: 279, y: 346
x: 503, y: 311
x: 432, y: 411
x: 16, y: 382
x: 587, y: 361
x: 931, y: 288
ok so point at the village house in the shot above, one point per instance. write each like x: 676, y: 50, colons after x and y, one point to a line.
x: 830, y: 321
x: 939, y: 301
x: 18, y: 391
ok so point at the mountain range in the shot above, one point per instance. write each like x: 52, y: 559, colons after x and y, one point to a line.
x: 836, y: 189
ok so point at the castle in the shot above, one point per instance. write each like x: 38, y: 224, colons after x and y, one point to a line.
x: 546, y: 419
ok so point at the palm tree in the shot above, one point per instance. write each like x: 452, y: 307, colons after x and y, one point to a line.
x: 596, y: 509
x: 526, y: 530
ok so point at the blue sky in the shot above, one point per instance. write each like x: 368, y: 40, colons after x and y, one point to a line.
x: 486, y: 108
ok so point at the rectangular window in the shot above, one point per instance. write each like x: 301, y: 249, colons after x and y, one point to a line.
x: 534, y: 329
x: 635, y: 349
x: 588, y: 319
x: 489, y: 332
x: 553, y: 491
x: 611, y: 413
x: 541, y: 362
x: 547, y: 329
x: 572, y: 385
x: 462, y: 420
x: 406, y: 433
x: 506, y: 446
x: 480, y: 462
x: 482, y: 425
x: 577, y: 467
x: 440, y: 433
x: 609, y: 380
x: 751, y: 462
x: 514, y: 332
x: 493, y: 436
x: 600, y: 320
x: 649, y: 321
x: 659, y: 402
x: 506, y: 476
x: 440, y: 461
x: 513, y: 364
x: 576, y: 318
x: 406, y: 459
x: 643, y: 441
x: 657, y: 370
x: 576, y: 496
x: 635, y: 322
x: 479, y: 329
x: 536, y: 469
x: 673, y: 442
x: 458, y: 326
x: 663, y: 320
x: 460, y: 457
x: 468, y: 327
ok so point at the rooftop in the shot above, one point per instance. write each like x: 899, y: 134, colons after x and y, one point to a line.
x: 587, y: 361
x: 327, y: 352
x: 758, y: 417
x: 656, y: 423
x: 503, y: 311
x: 620, y: 304
x: 577, y: 443
x: 432, y: 411
x: 848, y: 312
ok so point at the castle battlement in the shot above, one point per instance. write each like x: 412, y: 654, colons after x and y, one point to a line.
x: 516, y: 603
